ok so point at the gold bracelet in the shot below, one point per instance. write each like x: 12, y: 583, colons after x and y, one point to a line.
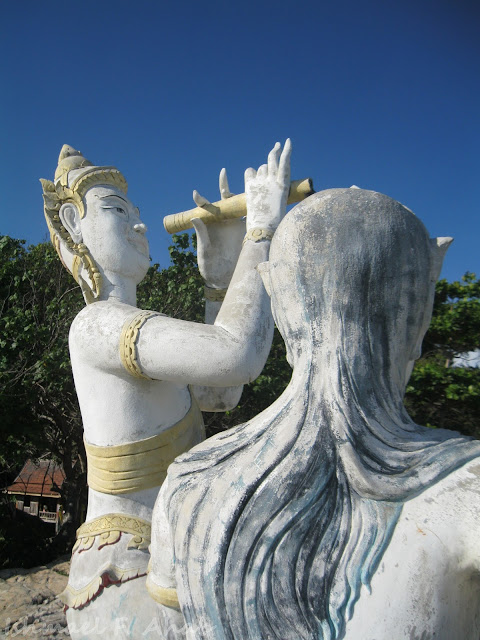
x: 257, y: 234
x: 214, y: 295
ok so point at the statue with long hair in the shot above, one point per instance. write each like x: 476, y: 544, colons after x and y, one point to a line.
x: 332, y: 514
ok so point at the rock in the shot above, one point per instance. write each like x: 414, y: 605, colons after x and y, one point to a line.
x: 29, y: 603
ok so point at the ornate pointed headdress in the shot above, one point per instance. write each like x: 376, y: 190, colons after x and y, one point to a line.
x: 74, y: 176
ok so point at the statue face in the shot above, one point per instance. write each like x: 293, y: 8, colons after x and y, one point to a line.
x: 114, y: 233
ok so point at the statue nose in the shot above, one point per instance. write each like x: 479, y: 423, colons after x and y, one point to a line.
x: 140, y: 228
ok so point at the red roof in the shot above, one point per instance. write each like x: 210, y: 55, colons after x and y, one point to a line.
x: 37, y: 479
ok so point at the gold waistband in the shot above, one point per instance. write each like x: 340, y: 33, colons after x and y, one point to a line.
x: 134, y: 466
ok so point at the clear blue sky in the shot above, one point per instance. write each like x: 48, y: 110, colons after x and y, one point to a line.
x: 381, y: 94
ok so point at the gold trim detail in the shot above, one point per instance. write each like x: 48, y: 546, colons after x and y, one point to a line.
x: 257, y: 234
x: 77, y: 261
x: 78, y: 598
x: 214, y: 295
x: 167, y: 597
x: 128, y: 341
x: 110, y: 527
x: 134, y: 466
x: 57, y: 193
x: 91, y: 177
x: 53, y: 199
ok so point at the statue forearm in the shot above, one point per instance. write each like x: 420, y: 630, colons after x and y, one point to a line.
x: 216, y: 399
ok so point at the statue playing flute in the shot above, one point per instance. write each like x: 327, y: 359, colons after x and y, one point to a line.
x: 142, y: 378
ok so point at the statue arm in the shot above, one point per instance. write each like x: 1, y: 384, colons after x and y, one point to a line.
x: 228, y: 353
x: 232, y: 351
x: 218, y: 249
x: 216, y: 399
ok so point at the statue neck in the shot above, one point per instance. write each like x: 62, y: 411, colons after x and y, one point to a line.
x: 117, y: 287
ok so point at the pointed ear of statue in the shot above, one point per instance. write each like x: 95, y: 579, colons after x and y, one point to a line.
x: 439, y: 248
x: 264, y: 270
x: 70, y: 217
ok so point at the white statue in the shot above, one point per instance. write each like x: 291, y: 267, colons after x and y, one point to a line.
x: 141, y: 377
x: 331, y: 515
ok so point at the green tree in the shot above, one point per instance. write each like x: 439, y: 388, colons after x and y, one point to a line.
x: 38, y: 403
x: 178, y: 290
x: 439, y: 393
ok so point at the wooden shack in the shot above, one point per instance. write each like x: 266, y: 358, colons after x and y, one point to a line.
x: 36, y: 490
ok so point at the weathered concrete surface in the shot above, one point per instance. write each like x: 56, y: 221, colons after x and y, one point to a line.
x: 28, y: 601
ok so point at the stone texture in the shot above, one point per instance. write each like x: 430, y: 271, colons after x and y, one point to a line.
x: 29, y: 606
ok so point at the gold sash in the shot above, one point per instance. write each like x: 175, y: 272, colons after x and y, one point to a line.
x: 134, y: 466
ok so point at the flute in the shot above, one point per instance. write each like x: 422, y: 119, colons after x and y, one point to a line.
x: 230, y: 208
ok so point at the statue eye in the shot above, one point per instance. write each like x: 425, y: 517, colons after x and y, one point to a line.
x: 121, y: 211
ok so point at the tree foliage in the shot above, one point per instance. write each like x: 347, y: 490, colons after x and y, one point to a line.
x: 439, y: 393
x: 38, y: 403
x: 178, y: 290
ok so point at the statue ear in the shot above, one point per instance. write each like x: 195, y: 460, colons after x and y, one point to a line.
x: 439, y: 249
x: 70, y: 217
x: 263, y: 269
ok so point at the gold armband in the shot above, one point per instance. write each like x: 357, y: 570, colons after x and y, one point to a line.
x: 214, y: 295
x: 257, y: 234
x: 128, y: 343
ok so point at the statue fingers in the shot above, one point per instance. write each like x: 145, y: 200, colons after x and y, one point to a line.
x: 262, y: 171
x: 199, y: 200
x: 223, y: 185
x: 283, y: 176
x: 203, y: 237
x: 250, y: 174
x: 273, y: 159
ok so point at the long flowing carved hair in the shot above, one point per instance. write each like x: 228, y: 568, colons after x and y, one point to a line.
x: 279, y: 522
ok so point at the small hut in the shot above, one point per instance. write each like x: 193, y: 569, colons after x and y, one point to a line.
x: 36, y: 490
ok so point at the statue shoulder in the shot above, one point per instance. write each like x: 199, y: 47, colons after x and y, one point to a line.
x: 95, y: 332
x: 452, y: 508
x: 463, y: 484
x: 101, y: 318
